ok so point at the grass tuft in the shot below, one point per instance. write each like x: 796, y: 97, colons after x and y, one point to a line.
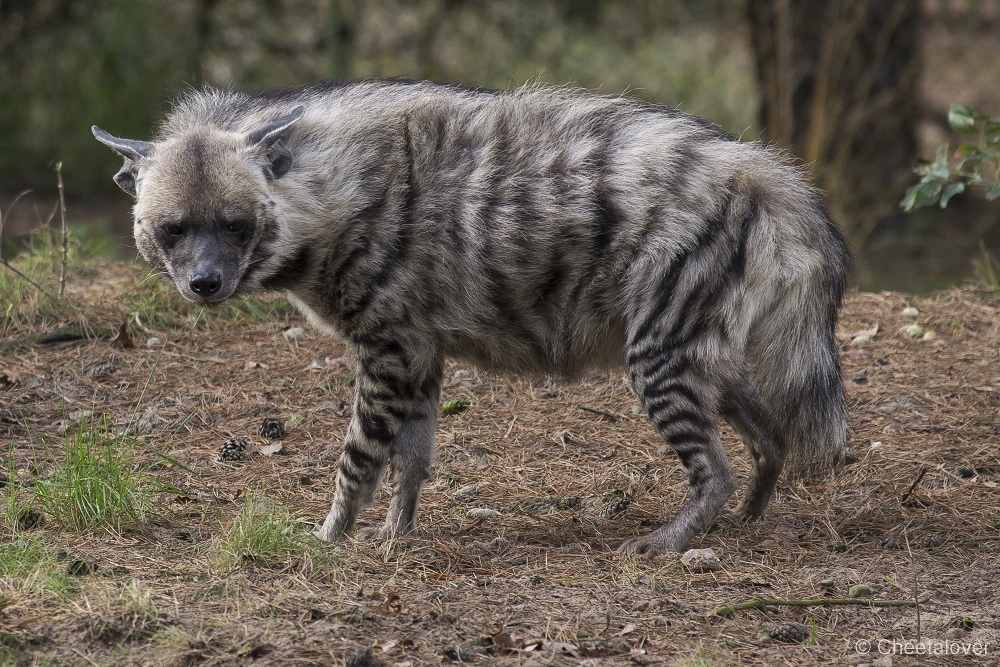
x: 29, y: 568
x: 263, y: 534
x: 99, y: 483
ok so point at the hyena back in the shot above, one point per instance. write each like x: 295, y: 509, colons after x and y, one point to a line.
x: 534, y: 230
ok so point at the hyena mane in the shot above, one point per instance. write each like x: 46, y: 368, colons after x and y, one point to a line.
x: 533, y: 230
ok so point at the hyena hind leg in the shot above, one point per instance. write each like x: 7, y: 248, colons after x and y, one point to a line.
x: 411, y: 460
x: 682, y: 403
x: 745, y: 410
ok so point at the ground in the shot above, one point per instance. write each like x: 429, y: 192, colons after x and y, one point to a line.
x: 515, y: 559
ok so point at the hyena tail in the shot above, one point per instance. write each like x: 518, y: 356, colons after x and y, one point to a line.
x: 794, y: 360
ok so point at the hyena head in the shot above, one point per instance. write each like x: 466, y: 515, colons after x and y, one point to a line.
x: 203, y: 206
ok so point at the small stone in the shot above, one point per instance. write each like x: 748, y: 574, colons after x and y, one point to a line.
x: 911, y: 330
x: 295, y: 334
x: 459, y: 653
x: 272, y: 428
x: 363, y: 658
x: 910, y: 311
x: 701, y: 560
x: 482, y: 513
x: 466, y: 491
x: 928, y: 335
x: 81, y: 568
x: 234, y: 449
x: 154, y: 341
x: 791, y: 633
x: 305, y: 480
x: 828, y: 584
x: 859, y: 591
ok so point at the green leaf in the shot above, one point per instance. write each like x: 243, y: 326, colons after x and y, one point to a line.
x: 950, y: 191
x: 962, y: 119
x: 924, y: 193
x: 449, y: 408
x: 993, y: 192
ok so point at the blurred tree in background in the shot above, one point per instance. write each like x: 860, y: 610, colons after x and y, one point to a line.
x: 839, y: 82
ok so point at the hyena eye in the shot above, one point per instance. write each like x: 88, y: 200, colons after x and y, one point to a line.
x: 173, y: 229
x: 237, y: 226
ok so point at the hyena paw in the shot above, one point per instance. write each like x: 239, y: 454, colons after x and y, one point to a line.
x: 390, y: 530
x: 650, y: 545
x: 749, y: 512
x: 334, y: 527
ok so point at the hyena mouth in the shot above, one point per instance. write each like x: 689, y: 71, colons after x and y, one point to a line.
x: 206, y: 287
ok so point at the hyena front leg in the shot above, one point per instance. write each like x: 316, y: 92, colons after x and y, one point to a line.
x: 390, y: 407
x: 681, y: 398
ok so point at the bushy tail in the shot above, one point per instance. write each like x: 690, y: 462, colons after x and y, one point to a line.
x: 794, y: 358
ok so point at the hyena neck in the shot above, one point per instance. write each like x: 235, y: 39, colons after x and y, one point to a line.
x: 291, y: 272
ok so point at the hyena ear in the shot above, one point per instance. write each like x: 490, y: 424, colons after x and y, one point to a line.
x: 267, y: 141
x: 133, y: 151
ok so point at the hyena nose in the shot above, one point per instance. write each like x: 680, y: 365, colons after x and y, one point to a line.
x: 206, y: 284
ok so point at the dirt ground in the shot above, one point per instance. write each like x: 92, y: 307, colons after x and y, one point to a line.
x: 515, y: 561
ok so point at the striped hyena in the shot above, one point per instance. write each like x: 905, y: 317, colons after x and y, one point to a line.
x: 530, y: 230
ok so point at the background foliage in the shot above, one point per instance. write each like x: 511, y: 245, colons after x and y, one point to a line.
x: 856, y: 89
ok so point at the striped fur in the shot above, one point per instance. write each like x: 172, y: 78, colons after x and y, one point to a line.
x: 533, y: 230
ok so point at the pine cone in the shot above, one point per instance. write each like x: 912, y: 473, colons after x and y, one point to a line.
x: 792, y: 633
x: 234, y: 449
x: 272, y: 428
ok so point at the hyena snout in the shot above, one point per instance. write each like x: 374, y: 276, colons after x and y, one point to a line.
x: 206, y: 283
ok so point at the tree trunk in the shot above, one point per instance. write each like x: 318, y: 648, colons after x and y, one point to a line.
x: 838, y: 82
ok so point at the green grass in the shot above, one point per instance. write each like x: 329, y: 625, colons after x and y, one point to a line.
x: 29, y: 568
x: 98, y: 484
x: 987, y: 269
x: 263, y: 533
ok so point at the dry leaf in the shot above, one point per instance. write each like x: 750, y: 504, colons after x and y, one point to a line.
x: 629, y: 627
x: 865, y: 335
x: 503, y: 640
x: 561, y: 647
x: 391, y: 604
x: 250, y: 365
x: 268, y: 450
x: 8, y: 378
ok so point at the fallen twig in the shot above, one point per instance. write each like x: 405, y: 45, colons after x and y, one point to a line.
x: 608, y: 415
x: 909, y: 490
x: 764, y: 603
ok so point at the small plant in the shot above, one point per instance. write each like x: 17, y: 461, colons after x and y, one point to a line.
x: 99, y: 484
x: 262, y: 534
x: 987, y: 268
x: 975, y: 164
x: 29, y: 568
